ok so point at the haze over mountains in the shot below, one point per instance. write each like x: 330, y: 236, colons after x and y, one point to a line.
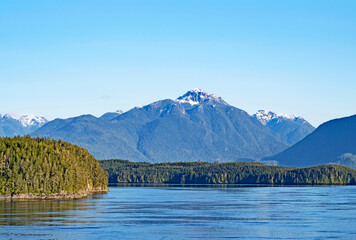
x: 196, y: 125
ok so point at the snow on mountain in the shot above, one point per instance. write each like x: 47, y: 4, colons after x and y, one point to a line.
x: 197, y: 96
x: 30, y: 120
x: 265, y: 116
x: 167, y: 130
x: 27, y: 120
x: 327, y: 144
x: 291, y: 128
x: 14, y: 124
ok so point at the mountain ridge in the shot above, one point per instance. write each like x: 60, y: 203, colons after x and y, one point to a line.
x: 20, y: 124
x: 326, y: 144
x: 196, y: 125
x: 291, y: 128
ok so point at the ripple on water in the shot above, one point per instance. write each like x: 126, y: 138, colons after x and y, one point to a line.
x: 188, y: 212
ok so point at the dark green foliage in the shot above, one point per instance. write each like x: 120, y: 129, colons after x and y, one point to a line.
x: 121, y: 171
x: 41, y: 165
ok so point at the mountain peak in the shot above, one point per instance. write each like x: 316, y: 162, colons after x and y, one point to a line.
x: 265, y: 116
x: 8, y: 116
x: 111, y: 115
x: 27, y: 120
x: 291, y: 128
x: 32, y: 120
x: 197, y: 96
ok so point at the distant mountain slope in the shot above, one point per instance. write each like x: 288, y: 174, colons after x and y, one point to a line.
x: 196, y: 126
x: 111, y: 115
x: 210, y: 130
x: 325, y: 145
x: 290, y: 127
x: 10, y: 127
x: 347, y: 159
x: 103, y: 139
x: 19, y: 125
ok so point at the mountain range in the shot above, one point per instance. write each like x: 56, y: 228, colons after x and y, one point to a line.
x: 332, y: 142
x: 20, y: 124
x: 197, y: 125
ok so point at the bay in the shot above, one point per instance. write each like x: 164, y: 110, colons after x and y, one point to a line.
x: 188, y: 212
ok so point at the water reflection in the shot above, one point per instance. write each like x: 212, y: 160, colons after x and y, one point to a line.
x: 39, y: 212
x: 188, y: 212
x: 163, y: 185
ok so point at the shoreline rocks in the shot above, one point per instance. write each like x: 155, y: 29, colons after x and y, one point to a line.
x: 59, y: 196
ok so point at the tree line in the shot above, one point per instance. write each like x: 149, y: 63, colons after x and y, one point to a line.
x: 123, y: 171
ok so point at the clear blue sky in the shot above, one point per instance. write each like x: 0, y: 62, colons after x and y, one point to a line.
x: 67, y: 58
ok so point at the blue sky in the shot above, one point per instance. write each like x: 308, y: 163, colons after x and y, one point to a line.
x: 67, y: 58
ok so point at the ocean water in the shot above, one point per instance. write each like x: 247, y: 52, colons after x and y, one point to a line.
x: 188, y: 212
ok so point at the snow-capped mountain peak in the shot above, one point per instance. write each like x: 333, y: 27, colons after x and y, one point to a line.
x: 197, y: 96
x: 32, y: 120
x: 291, y: 128
x: 265, y: 116
x: 27, y: 120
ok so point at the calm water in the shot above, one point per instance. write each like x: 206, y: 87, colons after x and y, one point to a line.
x: 188, y: 212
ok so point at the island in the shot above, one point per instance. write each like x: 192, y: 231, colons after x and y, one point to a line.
x: 41, y: 168
x: 123, y: 171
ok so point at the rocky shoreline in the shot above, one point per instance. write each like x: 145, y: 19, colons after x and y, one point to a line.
x: 58, y: 196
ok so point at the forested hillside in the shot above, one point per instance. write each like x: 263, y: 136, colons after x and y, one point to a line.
x: 44, y: 166
x: 121, y: 171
